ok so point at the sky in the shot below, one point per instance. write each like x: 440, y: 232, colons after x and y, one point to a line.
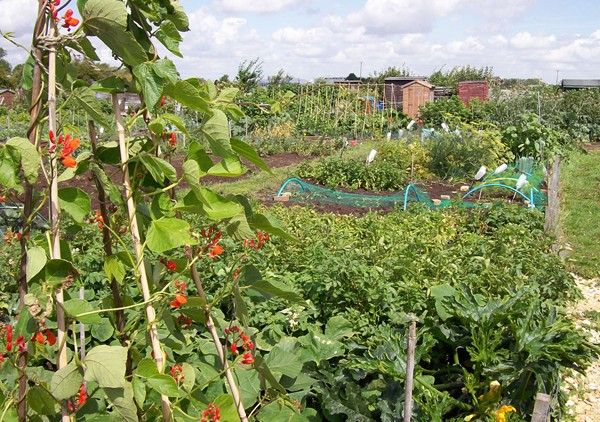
x: 308, y: 39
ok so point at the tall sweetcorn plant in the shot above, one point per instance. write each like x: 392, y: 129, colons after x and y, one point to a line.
x: 143, y: 341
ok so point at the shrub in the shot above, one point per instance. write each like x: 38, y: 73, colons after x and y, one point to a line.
x: 335, y: 172
x: 460, y: 154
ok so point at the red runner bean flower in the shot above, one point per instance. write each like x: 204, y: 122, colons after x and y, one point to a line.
x: 211, y: 414
x: 215, y: 251
x: 21, y: 344
x: 185, y: 322
x: 50, y: 337
x: 82, y: 396
x: 169, y: 264
x: 68, y: 146
x: 179, y: 300
x: 248, y: 359
x: 69, y: 20
x: 177, y: 373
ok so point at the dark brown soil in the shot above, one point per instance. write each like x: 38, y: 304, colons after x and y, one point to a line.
x: 434, y: 188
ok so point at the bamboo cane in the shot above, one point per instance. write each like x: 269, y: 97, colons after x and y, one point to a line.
x: 139, y: 254
x: 32, y: 135
x: 215, y: 336
x: 55, y: 219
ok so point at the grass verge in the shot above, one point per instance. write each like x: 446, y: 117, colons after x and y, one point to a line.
x: 580, y: 212
x: 261, y: 181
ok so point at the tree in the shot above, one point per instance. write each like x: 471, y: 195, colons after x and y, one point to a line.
x: 352, y: 77
x: 6, y: 80
x: 452, y: 77
x: 280, y: 78
x: 249, y: 74
x: 390, y: 72
x: 91, y: 72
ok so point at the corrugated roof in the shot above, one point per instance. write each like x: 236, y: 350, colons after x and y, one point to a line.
x: 580, y: 83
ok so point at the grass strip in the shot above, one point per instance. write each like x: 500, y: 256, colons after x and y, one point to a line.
x: 580, y: 212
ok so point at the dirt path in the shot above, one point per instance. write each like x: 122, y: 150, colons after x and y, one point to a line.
x: 585, y: 391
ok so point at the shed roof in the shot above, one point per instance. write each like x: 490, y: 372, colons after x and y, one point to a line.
x: 405, y: 78
x: 424, y: 83
x: 580, y: 83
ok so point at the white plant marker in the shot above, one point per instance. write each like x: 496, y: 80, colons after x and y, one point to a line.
x: 521, y: 181
x: 501, y: 168
x: 480, y: 173
x: 371, y: 157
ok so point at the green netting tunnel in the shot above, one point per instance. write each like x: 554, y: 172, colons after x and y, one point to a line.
x: 301, y: 191
x: 524, y: 179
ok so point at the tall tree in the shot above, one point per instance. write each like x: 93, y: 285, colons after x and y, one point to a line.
x: 280, y: 78
x: 6, y: 80
x: 249, y: 74
x: 452, y: 77
x: 91, y: 72
x: 390, y: 72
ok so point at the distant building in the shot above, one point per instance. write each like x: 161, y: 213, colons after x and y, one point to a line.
x: 467, y: 90
x: 567, y: 84
x: 7, y: 98
x: 352, y: 86
x: 414, y: 95
x: 334, y: 79
x: 393, y: 88
x: 128, y: 101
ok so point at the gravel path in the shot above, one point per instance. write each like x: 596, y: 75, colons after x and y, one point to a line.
x: 586, y: 390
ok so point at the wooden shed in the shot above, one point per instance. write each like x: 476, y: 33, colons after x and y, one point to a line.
x: 416, y: 94
x: 467, y: 90
x: 393, y: 88
x: 7, y: 97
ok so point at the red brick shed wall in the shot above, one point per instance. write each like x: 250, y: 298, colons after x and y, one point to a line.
x: 472, y: 89
x: 6, y: 99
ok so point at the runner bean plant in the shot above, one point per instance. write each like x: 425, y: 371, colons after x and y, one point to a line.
x: 141, y: 340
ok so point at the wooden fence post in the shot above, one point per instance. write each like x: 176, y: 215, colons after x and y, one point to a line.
x: 541, y: 408
x: 551, y: 222
x: 410, y: 369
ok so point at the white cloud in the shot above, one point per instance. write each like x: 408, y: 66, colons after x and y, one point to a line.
x: 18, y: 16
x: 525, y: 40
x: 501, y: 9
x: 256, y: 6
x: 312, y: 38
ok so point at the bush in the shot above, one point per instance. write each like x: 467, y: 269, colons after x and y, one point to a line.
x: 460, y: 154
x: 353, y: 174
x: 413, y: 157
